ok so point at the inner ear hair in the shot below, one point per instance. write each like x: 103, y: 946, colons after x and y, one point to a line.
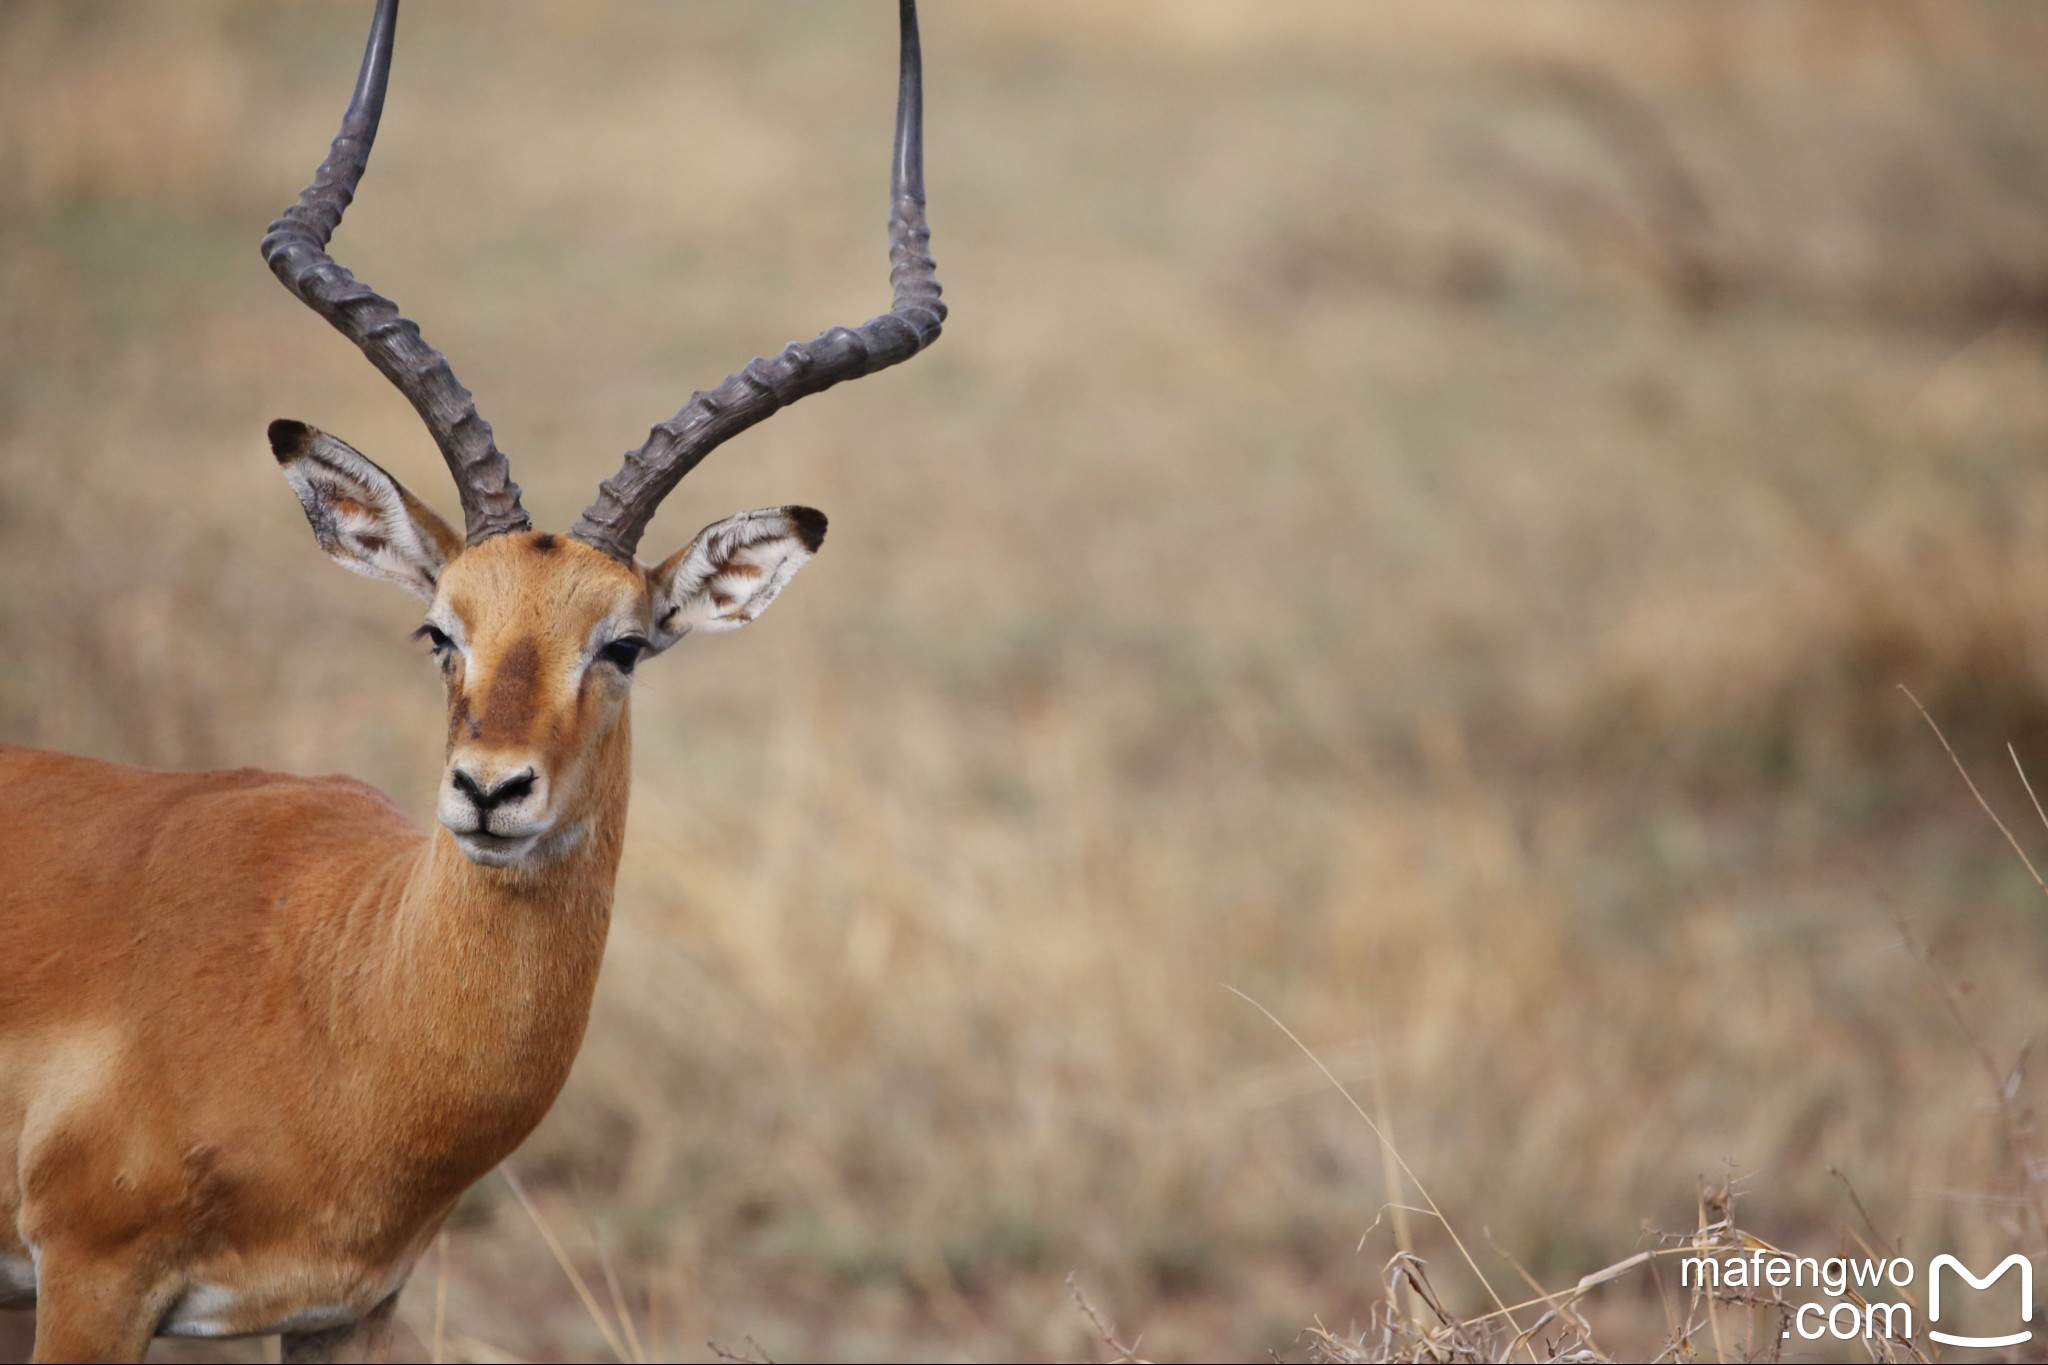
x: 732, y: 570
x: 366, y: 521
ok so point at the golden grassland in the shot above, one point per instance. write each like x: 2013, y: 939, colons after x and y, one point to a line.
x: 1419, y: 519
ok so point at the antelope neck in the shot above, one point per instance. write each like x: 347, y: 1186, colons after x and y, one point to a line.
x: 484, y: 975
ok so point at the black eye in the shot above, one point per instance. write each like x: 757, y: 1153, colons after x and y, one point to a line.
x: 622, y: 654
x: 436, y: 640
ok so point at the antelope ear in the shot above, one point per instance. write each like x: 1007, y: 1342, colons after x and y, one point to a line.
x: 365, y: 519
x: 731, y: 572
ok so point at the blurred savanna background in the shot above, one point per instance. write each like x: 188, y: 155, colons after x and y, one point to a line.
x: 1420, y: 516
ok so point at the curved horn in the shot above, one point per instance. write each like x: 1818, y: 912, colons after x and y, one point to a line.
x: 627, y: 501
x: 295, y: 248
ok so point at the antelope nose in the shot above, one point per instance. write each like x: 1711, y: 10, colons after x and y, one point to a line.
x: 519, y: 784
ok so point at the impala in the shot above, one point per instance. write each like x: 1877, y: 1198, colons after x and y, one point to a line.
x: 258, y: 1032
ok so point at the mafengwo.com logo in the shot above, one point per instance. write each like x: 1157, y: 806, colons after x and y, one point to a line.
x: 1852, y: 1298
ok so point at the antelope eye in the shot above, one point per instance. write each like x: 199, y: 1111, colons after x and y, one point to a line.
x: 436, y: 640
x: 622, y: 654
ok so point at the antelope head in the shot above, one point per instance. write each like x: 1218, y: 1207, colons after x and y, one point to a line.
x: 538, y: 635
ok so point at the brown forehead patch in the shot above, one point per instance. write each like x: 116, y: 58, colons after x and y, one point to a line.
x: 546, y: 543
x: 528, y: 613
x: 515, y: 689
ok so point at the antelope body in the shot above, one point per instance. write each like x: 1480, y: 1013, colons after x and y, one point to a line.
x: 259, y: 1032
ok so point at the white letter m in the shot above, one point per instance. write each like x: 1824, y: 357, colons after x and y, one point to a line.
x: 2026, y: 1297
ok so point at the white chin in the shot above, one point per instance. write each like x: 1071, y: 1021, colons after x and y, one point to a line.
x: 489, y: 850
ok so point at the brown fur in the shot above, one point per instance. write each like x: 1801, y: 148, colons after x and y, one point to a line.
x: 515, y: 685
x: 261, y: 1031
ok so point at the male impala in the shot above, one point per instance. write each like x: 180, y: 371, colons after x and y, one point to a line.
x: 257, y: 1032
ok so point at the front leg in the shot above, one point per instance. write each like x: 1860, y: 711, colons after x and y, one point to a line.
x: 92, y: 1308
x: 368, y: 1338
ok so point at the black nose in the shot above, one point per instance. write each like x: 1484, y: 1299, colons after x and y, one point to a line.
x: 511, y: 789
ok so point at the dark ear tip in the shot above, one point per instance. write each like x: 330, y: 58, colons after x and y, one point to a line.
x: 810, y: 526
x: 287, y: 438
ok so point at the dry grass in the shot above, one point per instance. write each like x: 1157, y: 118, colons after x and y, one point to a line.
x: 1419, y: 518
